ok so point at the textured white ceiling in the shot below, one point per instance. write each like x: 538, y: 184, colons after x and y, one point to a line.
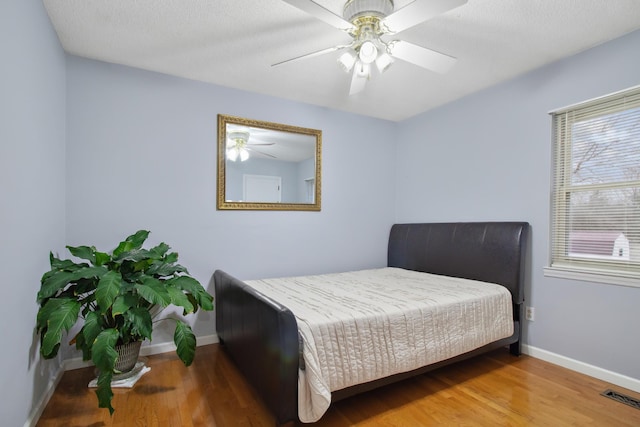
x: 233, y: 43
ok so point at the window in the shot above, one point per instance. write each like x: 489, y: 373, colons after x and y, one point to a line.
x: 595, y: 225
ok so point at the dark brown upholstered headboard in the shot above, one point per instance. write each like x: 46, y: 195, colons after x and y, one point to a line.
x: 486, y: 251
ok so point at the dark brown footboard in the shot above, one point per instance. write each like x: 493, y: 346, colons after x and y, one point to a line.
x: 262, y: 338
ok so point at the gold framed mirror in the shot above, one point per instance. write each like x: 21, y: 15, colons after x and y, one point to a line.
x: 268, y: 166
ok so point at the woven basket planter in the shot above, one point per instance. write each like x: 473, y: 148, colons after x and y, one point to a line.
x: 127, y: 356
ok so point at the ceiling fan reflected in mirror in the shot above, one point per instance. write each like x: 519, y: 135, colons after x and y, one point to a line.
x: 370, y: 23
x: 238, y: 146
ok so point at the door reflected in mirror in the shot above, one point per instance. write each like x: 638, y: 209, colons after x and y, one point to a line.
x: 267, y: 166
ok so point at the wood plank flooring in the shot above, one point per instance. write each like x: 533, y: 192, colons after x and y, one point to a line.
x: 491, y: 390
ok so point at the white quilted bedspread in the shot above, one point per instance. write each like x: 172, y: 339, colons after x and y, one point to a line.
x: 364, y: 325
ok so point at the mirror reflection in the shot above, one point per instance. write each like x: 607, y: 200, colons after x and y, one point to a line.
x: 269, y: 166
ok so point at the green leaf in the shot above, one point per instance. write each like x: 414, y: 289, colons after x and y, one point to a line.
x: 104, y: 353
x: 133, y: 255
x: 158, y: 252
x: 185, y: 342
x: 138, y: 238
x: 89, y: 272
x: 104, y: 356
x: 83, y: 252
x: 193, y: 302
x: 134, y: 241
x: 91, y: 329
x: 58, y: 315
x: 108, y: 289
x: 171, y: 258
x: 54, y: 283
x: 141, y: 322
x: 102, y: 258
x: 59, y: 280
x: 153, y: 291
x: 81, y: 344
x: 122, y: 247
x: 191, y: 285
x: 187, y: 283
x: 123, y: 303
x: 104, y: 392
x: 179, y: 299
x: 162, y: 269
x: 66, y: 264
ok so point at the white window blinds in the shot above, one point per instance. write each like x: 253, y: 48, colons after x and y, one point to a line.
x: 596, y: 186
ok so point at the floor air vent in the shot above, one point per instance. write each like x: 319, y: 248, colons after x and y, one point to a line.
x: 622, y: 398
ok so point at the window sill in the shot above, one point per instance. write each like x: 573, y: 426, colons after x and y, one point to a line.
x: 592, y: 276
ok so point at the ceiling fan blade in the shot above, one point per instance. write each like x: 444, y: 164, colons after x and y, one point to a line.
x: 309, y: 55
x: 361, y: 73
x: 261, y: 153
x: 422, y: 57
x: 261, y: 143
x: 322, y: 14
x: 417, y: 12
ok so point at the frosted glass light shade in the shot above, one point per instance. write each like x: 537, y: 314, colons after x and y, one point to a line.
x: 368, y: 52
x: 346, y: 60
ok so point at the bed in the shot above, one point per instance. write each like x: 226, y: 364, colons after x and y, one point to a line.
x: 264, y: 339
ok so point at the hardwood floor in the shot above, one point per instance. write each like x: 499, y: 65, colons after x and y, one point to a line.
x: 491, y: 390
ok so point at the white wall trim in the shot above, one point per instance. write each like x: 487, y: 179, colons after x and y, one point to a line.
x: 35, y: 414
x: 77, y: 362
x: 584, y: 368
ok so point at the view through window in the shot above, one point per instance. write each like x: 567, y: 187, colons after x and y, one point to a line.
x: 596, y: 187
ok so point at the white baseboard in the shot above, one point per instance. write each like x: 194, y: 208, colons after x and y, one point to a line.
x: 77, y: 362
x: 35, y: 414
x: 584, y: 368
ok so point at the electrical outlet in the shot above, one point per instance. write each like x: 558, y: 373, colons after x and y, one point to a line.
x: 530, y: 313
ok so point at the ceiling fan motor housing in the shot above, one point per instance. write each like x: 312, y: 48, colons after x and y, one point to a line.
x: 239, y: 136
x: 355, y: 9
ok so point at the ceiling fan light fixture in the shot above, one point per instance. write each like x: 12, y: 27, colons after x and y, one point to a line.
x: 237, y: 152
x: 368, y: 52
x: 232, y: 154
x: 368, y: 22
x: 347, y: 60
x: 383, y: 62
x: 236, y: 143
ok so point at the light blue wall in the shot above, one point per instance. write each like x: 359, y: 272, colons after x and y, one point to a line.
x: 32, y: 192
x: 488, y: 157
x: 142, y: 154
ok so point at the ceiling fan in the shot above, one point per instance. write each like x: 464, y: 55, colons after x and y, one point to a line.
x: 238, y: 146
x: 369, y: 23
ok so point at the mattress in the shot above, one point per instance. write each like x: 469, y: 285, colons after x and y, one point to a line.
x: 364, y: 325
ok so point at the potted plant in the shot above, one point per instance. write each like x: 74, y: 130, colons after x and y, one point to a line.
x: 116, y: 296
